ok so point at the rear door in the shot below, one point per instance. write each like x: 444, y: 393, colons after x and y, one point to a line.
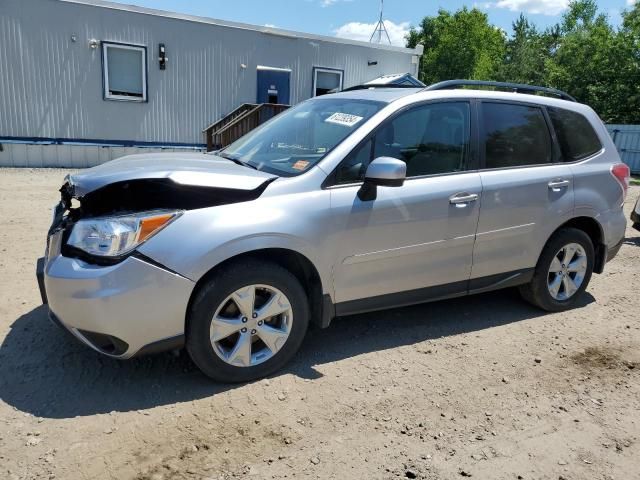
x: 527, y: 192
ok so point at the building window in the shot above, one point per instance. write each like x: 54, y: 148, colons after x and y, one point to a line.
x: 326, y: 80
x: 125, y: 72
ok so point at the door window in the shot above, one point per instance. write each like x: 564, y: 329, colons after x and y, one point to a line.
x: 431, y: 139
x: 352, y: 168
x: 515, y: 135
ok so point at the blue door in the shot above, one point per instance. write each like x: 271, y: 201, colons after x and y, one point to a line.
x: 273, y: 86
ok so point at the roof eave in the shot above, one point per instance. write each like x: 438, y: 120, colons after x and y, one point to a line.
x: 241, y: 26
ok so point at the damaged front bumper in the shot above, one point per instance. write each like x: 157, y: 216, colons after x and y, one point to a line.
x: 122, y: 306
x: 119, y: 310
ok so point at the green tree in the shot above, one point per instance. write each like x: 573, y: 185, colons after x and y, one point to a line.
x: 581, y: 14
x: 583, y: 55
x: 526, y: 53
x: 458, y: 45
x: 629, y: 39
x: 594, y: 63
x: 631, y: 30
x: 631, y: 20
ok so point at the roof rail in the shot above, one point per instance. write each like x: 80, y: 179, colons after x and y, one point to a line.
x: 514, y: 87
x: 380, y: 85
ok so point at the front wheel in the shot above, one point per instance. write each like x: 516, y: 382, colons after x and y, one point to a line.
x: 563, y: 271
x: 247, y: 321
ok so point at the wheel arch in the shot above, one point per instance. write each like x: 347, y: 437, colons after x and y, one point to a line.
x: 320, y: 304
x: 594, y: 230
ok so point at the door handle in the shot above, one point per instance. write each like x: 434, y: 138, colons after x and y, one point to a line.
x: 461, y: 198
x: 558, y: 184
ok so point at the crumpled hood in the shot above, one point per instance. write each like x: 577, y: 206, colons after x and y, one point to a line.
x: 194, y: 169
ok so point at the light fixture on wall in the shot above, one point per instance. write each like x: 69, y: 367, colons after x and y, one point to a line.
x: 74, y: 38
x: 162, y: 56
x: 93, y: 43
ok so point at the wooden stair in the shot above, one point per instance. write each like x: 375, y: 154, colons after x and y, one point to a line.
x: 240, y: 122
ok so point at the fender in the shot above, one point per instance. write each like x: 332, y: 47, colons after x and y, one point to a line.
x: 201, y: 239
x: 254, y: 243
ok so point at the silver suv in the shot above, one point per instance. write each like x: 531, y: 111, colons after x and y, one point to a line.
x: 364, y: 200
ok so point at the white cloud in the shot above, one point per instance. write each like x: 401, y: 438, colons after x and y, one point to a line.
x: 544, y: 7
x: 363, y: 31
x: 328, y: 3
x: 631, y: 3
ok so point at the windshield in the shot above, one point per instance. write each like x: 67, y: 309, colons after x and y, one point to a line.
x: 298, y: 138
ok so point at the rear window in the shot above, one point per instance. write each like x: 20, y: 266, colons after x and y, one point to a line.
x: 575, y: 134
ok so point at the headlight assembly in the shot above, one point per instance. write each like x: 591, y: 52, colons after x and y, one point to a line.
x: 118, y: 235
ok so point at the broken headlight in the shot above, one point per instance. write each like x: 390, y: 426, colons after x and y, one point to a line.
x: 118, y: 235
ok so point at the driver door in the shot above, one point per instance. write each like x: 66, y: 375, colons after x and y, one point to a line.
x: 415, y: 242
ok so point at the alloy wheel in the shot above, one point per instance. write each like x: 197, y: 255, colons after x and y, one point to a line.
x: 251, y: 325
x: 567, y: 271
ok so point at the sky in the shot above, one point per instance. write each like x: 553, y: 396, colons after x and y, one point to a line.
x: 356, y: 19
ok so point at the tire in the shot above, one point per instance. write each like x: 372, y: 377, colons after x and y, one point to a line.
x: 538, y: 291
x: 219, y: 293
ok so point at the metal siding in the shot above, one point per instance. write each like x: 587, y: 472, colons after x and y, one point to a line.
x: 68, y: 156
x: 627, y: 140
x: 34, y: 156
x: 52, y: 87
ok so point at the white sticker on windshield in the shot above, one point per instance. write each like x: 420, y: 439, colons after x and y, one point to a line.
x: 345, y: 119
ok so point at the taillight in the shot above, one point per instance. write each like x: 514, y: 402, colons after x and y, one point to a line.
x: 622, y: 174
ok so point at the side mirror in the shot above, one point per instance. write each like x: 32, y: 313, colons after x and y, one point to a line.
x: 384, y: 172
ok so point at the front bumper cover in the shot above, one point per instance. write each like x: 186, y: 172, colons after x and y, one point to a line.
x: 40, y: 263
x: 613, y: 251
x: 118, y: 310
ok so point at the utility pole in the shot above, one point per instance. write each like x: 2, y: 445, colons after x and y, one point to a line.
x: 380, y: 29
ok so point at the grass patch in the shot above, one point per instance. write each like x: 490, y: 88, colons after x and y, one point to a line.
x: 606, y: 358
x: 635, y: 181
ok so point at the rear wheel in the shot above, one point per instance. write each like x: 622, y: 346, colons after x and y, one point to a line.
x: 563, y: 271
x: 247, y: 321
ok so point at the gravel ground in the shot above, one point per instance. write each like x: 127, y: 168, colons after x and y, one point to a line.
x: 485, y: 386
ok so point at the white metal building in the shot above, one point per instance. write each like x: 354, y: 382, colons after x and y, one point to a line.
x: 84, y: 81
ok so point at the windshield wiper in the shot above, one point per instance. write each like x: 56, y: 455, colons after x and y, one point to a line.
x: 236, y: 160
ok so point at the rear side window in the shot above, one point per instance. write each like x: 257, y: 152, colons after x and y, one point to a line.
x: 575, y: 134
x: 515, y: 135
